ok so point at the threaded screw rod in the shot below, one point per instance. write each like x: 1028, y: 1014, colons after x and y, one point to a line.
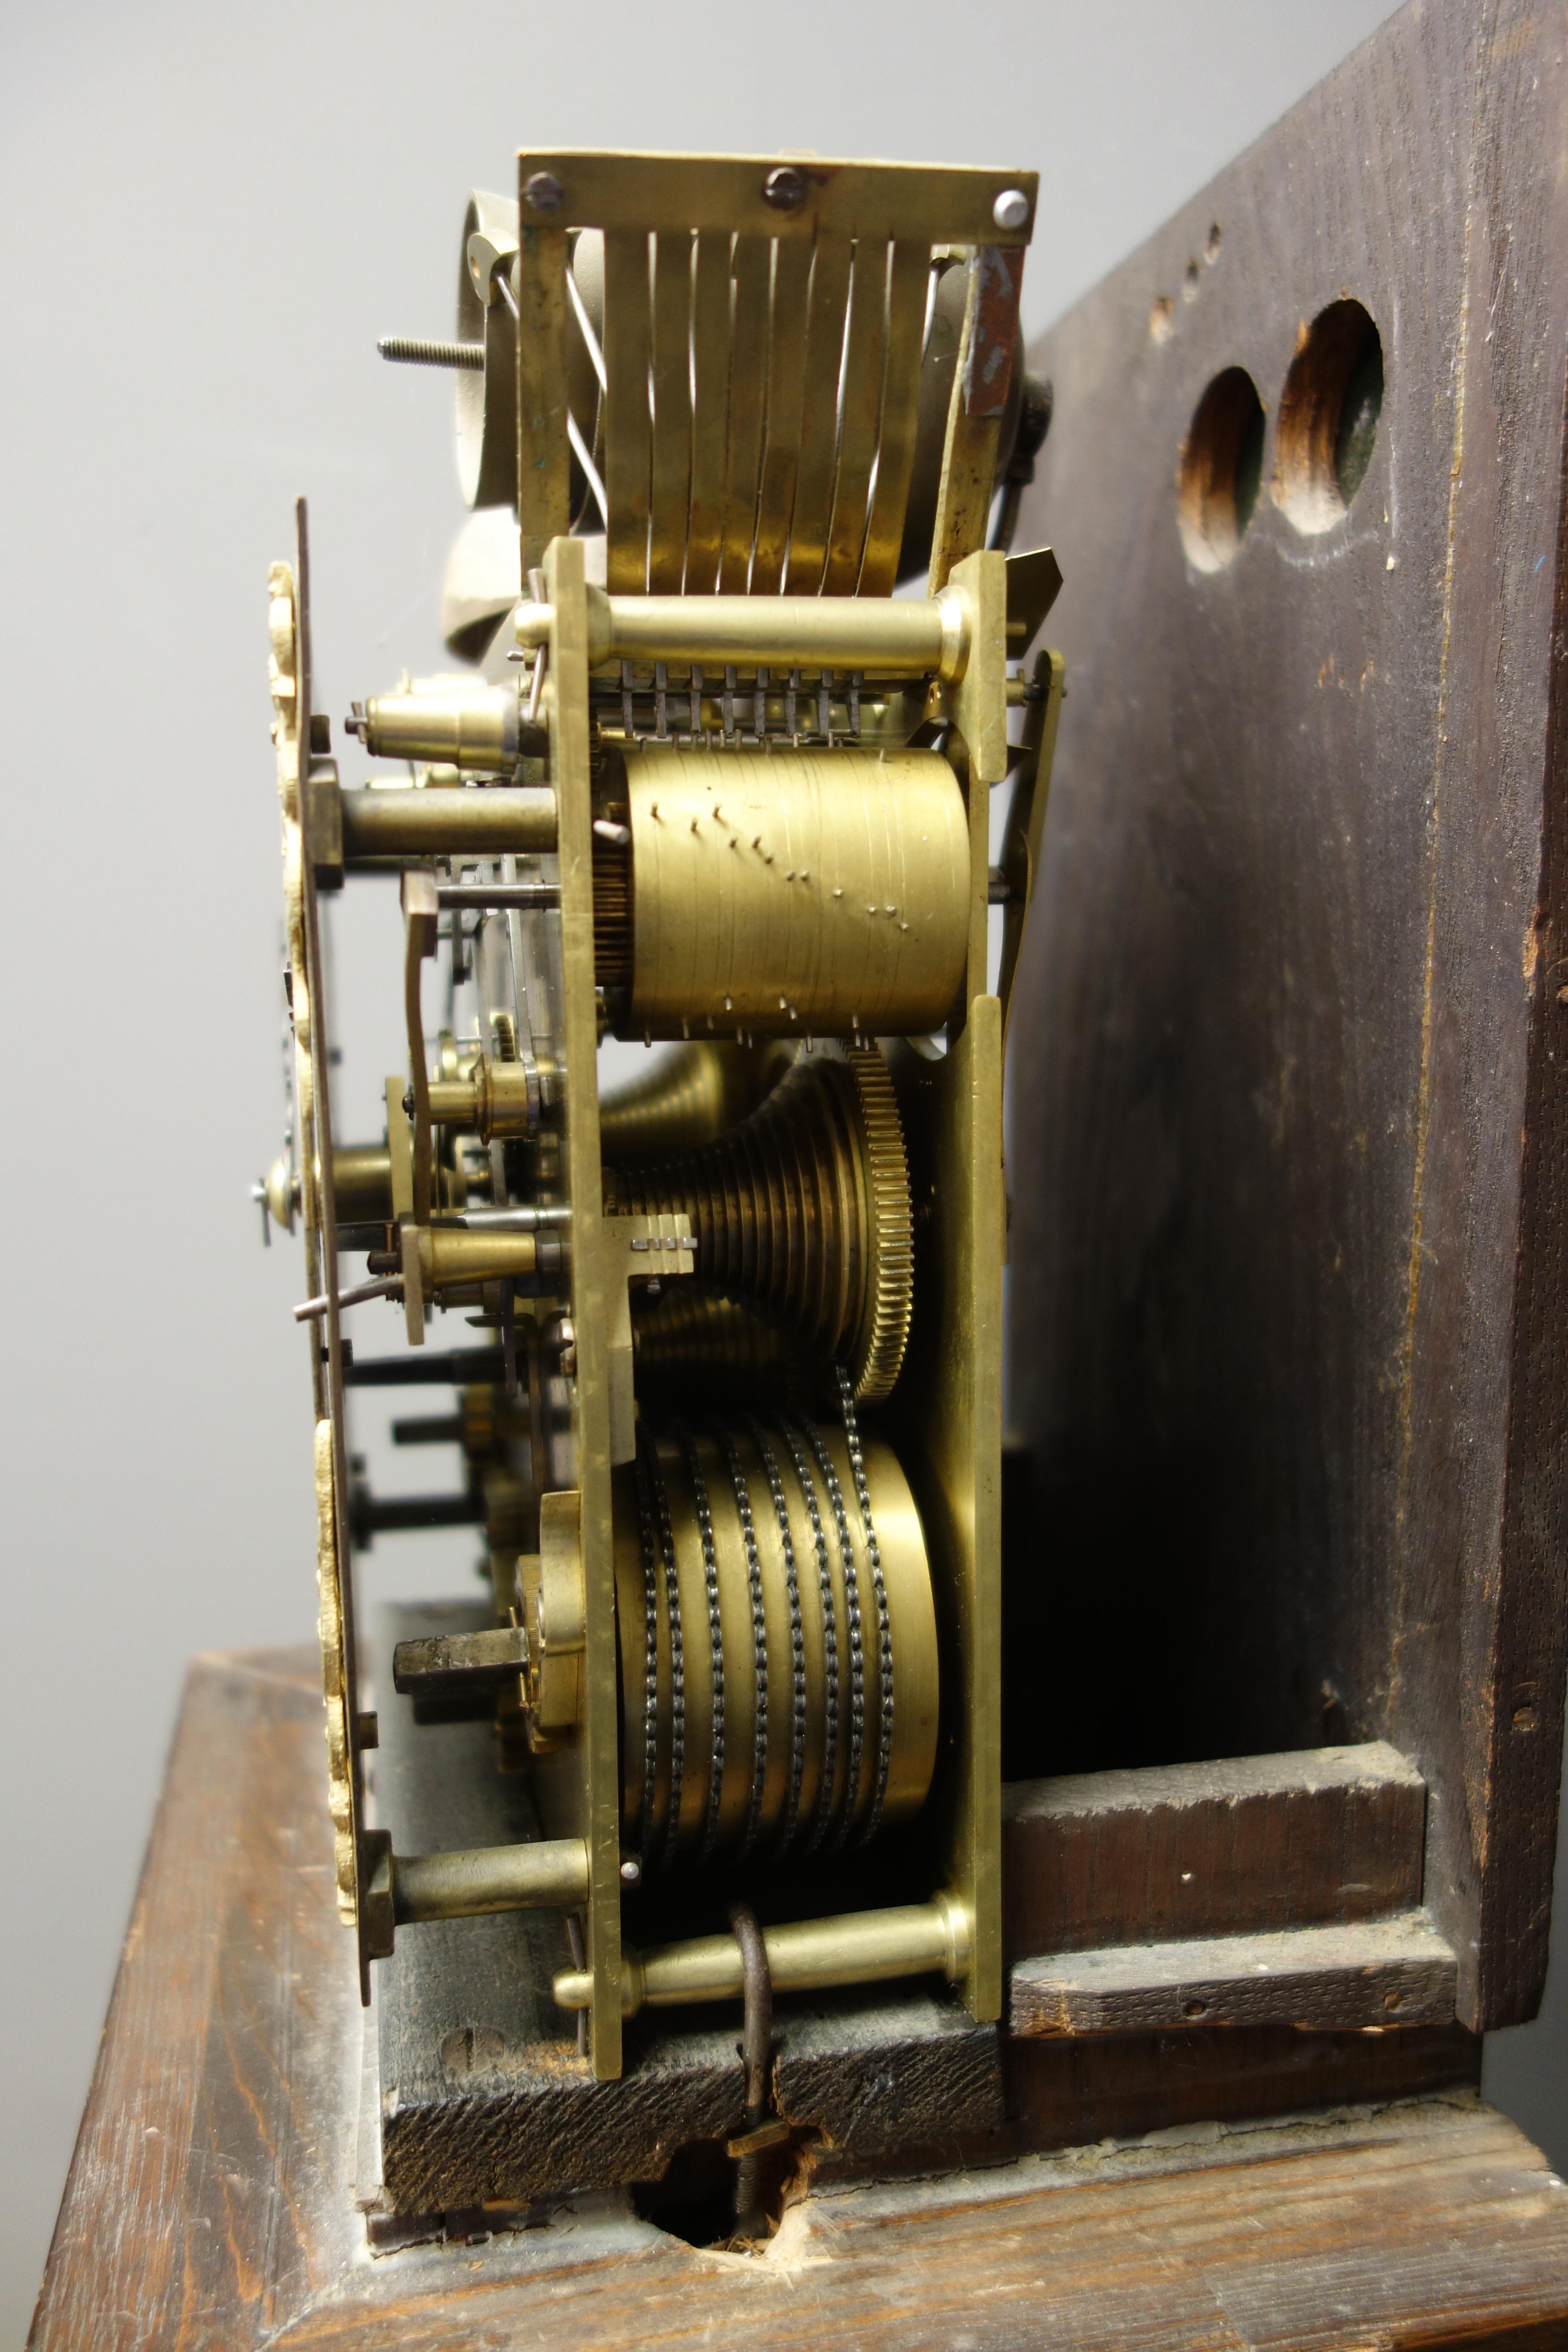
x: 417, y: 351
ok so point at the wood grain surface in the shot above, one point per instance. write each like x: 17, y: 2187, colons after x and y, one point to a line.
x: 1288, y: 1147
x: 1257, y: 1842
x: 207, y: 2200
x: 211, y: 2198
x: 1394, y: 1971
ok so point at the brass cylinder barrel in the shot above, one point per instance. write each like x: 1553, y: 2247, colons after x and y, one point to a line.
x: 475, y: 728
x: 500, y: 1098
x: 797, y: 892
x: 447, y: 820
x: 803, y: 1955
x: 488, y: 1255
x: 549, y: 1873
x: 778, y: 1684
x: 362, y: 1180
x: 454, y: 1102
x: 688, y: 1098
x: 908, y: 637
x: 697, y: 1339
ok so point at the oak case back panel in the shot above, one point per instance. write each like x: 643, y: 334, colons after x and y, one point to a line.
x: 1287, y: 1149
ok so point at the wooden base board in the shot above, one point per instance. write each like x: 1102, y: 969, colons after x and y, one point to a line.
x: 211, y: 2200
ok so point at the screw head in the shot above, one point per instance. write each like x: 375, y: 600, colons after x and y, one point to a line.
x: 544, y: 192
x: 1011, y: 209
x: 784, y: 189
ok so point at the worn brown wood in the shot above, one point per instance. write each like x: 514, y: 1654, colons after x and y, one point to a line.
x: 1289, y: 1152
x: 1070, y: 2088
x: 1257, y: 1842
x: 211, y: 2204
x: 1066, y: 2090
x: 1394, y: 1971
x: 222, y: 2092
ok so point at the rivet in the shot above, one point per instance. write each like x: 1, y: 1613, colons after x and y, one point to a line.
x: 1011, y: 209
x: 783, y: 189
x: 544, y: 192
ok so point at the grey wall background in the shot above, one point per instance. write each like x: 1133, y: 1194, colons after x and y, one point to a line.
x: 209, y: 215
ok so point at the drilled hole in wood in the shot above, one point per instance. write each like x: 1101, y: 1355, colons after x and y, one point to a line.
x: 1222, y: 465
x: 1329, y: 413
x: 695, y: 2198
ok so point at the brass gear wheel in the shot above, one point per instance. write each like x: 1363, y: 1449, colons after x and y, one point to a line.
x: 884, y: 1332
x: 804, y: 1211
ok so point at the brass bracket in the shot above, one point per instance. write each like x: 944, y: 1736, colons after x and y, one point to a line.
x: 556, y: 1617
x: 400, y: 1150
x: 1034, y: 583
x: 421, y: 912
x: 1027, y: 817
x: 323, y: 825
x: 635, y: 1247
x: 377, y: 1919
x: 413, y: 1287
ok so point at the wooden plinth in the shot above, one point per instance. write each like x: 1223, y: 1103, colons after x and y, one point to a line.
x: 211, y: 2201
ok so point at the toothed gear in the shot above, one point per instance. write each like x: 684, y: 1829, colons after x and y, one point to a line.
x: 877, y: 1354
x: 803, y: 1212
